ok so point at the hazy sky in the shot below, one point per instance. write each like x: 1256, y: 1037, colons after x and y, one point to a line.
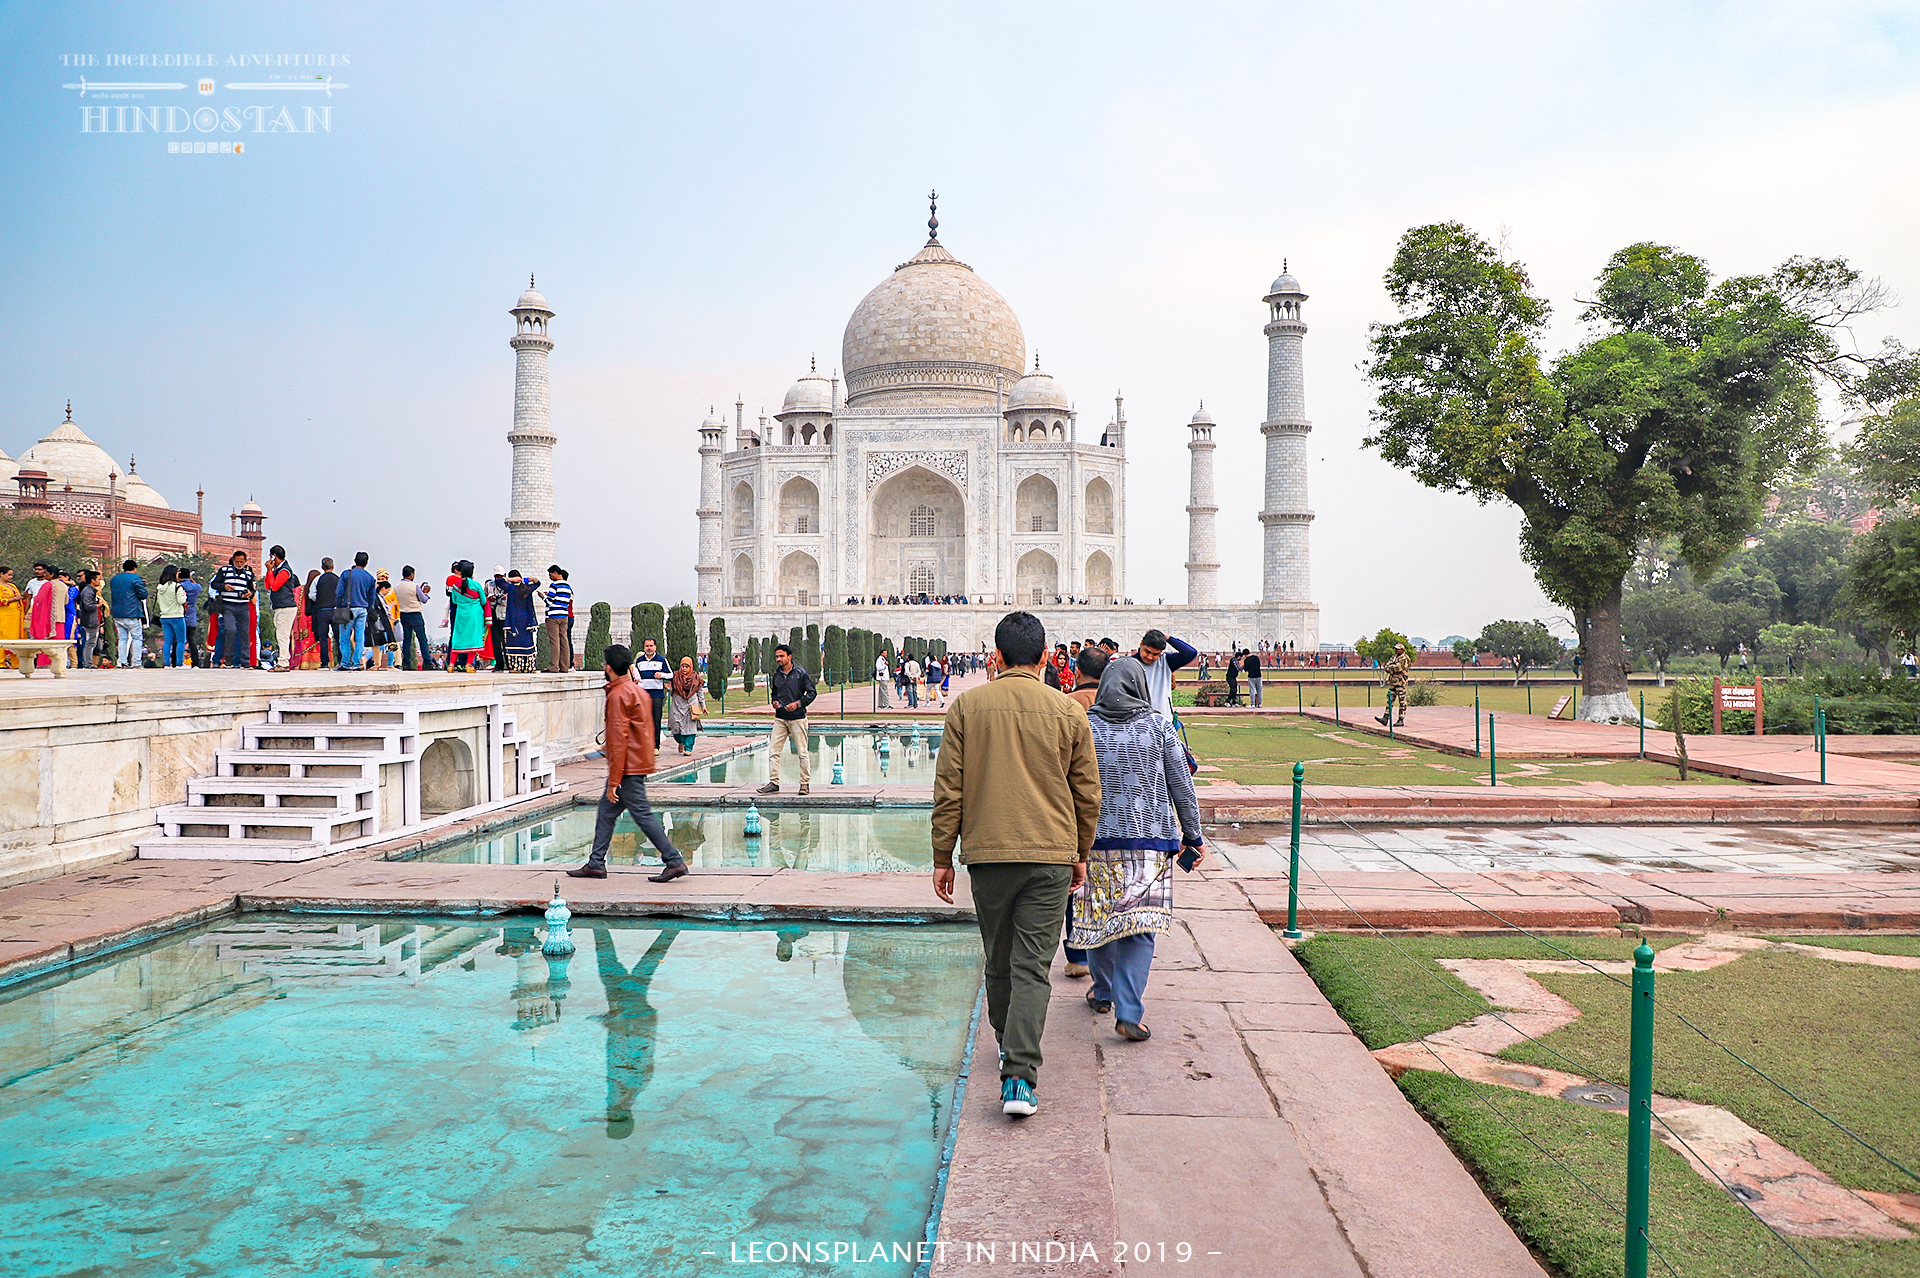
x: 707, y: 191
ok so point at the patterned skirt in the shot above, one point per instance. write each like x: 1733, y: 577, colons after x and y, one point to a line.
x: 1129, y: 892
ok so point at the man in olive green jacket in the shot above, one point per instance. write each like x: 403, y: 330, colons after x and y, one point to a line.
x: 1017, y: 787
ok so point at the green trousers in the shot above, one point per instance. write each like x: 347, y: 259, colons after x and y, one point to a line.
x: 1021, y: 906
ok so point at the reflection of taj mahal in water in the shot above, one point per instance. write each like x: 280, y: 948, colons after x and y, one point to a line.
x: 946, y: 467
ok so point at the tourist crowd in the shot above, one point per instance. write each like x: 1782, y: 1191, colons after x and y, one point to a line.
x: 355, y: 619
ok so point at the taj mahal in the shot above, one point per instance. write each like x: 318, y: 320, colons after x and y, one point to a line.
x: 949, y: 479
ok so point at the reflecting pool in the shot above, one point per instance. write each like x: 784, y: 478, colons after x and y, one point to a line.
x: 857, y: 840
x: 904, y: 759
x: 278, y: 1096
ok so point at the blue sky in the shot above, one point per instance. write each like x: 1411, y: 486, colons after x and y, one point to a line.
x: 707, y: 191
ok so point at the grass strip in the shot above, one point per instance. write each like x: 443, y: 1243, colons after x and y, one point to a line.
x: 1700, y: 1231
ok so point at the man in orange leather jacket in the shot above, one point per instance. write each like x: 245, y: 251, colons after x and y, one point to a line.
x: 629, y: 760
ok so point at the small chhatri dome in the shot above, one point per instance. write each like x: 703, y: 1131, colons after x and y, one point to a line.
x: 713, y: 421
x: 531, y: 299
x: 1285, y: 283
x: 1201, y: 418
x: 1038, y: 390
x: 811, y: 394
x: 251, y: 508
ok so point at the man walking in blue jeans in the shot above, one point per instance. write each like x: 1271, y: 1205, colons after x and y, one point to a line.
x: 357, y: 588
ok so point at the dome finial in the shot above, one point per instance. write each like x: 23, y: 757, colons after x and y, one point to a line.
x: 1283, y: 266
x: 933, y: 216
x: 69, y: 410
x: 1036, y: 359
x: 133, y: 464
x: 813, y: 366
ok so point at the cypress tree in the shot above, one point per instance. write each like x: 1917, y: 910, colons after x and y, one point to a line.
x: 749, y: 665
x: 636, y: 627
x: 797, y: 646
x: 653, y: 625
x: 599, y: 635
x: 683, y: 635
x: 719, y: 658
x: 835, y: 653
x: 812, y: 661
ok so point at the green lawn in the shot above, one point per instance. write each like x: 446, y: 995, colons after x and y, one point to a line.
x: 1263, y: 752
x: 1840, y: 1035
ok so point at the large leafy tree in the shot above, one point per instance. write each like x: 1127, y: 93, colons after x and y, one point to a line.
x: 25, y: 539
x: 1808, y: 562
x: 1668, y: 620
x: 1688, y: 399
x: 1523, y: 644
x: 1883, y: 581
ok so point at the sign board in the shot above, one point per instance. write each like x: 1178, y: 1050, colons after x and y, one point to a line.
x: 1558, y: 706
x: 1751, y: 698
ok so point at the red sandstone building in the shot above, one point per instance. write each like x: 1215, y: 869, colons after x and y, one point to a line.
x: 74, y: 481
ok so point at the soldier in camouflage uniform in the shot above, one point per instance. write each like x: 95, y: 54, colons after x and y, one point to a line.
x: 1395, y: 672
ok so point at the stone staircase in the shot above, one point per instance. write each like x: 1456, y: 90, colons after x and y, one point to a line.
x: 325, y: 773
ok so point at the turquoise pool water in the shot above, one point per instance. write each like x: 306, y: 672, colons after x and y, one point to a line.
x: 316, y: 1097
x: 907, y: 759
x: 856, y: 840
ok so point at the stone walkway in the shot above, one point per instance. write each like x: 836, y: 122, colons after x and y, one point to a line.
x: 1783, y: 1189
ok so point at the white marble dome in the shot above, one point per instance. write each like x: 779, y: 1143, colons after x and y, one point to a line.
x: 69, y: 457
x: 139, y: 492
x: 932, y: 326
x: 1038, y: 390
x: 531, y: 300
x: 811, y: 394
x: 1285, y: 284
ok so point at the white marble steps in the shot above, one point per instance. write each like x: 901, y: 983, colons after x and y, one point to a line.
x: 321, y: 773
x: 256, y: 793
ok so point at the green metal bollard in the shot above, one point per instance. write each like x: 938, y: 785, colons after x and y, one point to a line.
x: 1476, y: 719
x: 1821, y: 727
x: 1529, y: 696
x: 1293, y: 860
x: 1336, y: 702
x: 1643, y: 725
x: 1639, y: 1110
x: 1300, y: 698
x: 1493, y: 758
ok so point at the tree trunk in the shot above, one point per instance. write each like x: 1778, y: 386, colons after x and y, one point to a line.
x: 1603, y: 675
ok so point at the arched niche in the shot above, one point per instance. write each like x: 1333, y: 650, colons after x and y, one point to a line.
x: 799, y: 506
x: 743, y: 509
x: 1036, y: 505
x: 1100, y: 507
x: 1099, y: 577
x: 1036, y: 578
x: 919, y: 520
x: 800, y: 579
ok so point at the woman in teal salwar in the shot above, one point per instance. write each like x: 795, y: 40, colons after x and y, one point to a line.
x: 467, y: 644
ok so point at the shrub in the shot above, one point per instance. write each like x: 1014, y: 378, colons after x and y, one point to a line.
x: 599, y: 635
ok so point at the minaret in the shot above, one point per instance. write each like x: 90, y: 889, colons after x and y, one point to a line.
x: 1117, y: 428
x: 1203, y: 554
x: 530, y: 522
x: 1284, y: 574
x: 708, y: 567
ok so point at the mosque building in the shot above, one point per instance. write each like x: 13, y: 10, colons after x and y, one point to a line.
x: 72, y: 480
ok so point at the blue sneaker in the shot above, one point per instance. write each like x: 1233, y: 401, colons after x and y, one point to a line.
x: 1016, y: 1097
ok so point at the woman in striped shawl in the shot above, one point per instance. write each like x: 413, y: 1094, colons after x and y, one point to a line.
x: 1148, y: 813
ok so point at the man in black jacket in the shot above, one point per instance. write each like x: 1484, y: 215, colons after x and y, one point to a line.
x: 320, y: 601
x: 793, y: 691
x: 232, y: 587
